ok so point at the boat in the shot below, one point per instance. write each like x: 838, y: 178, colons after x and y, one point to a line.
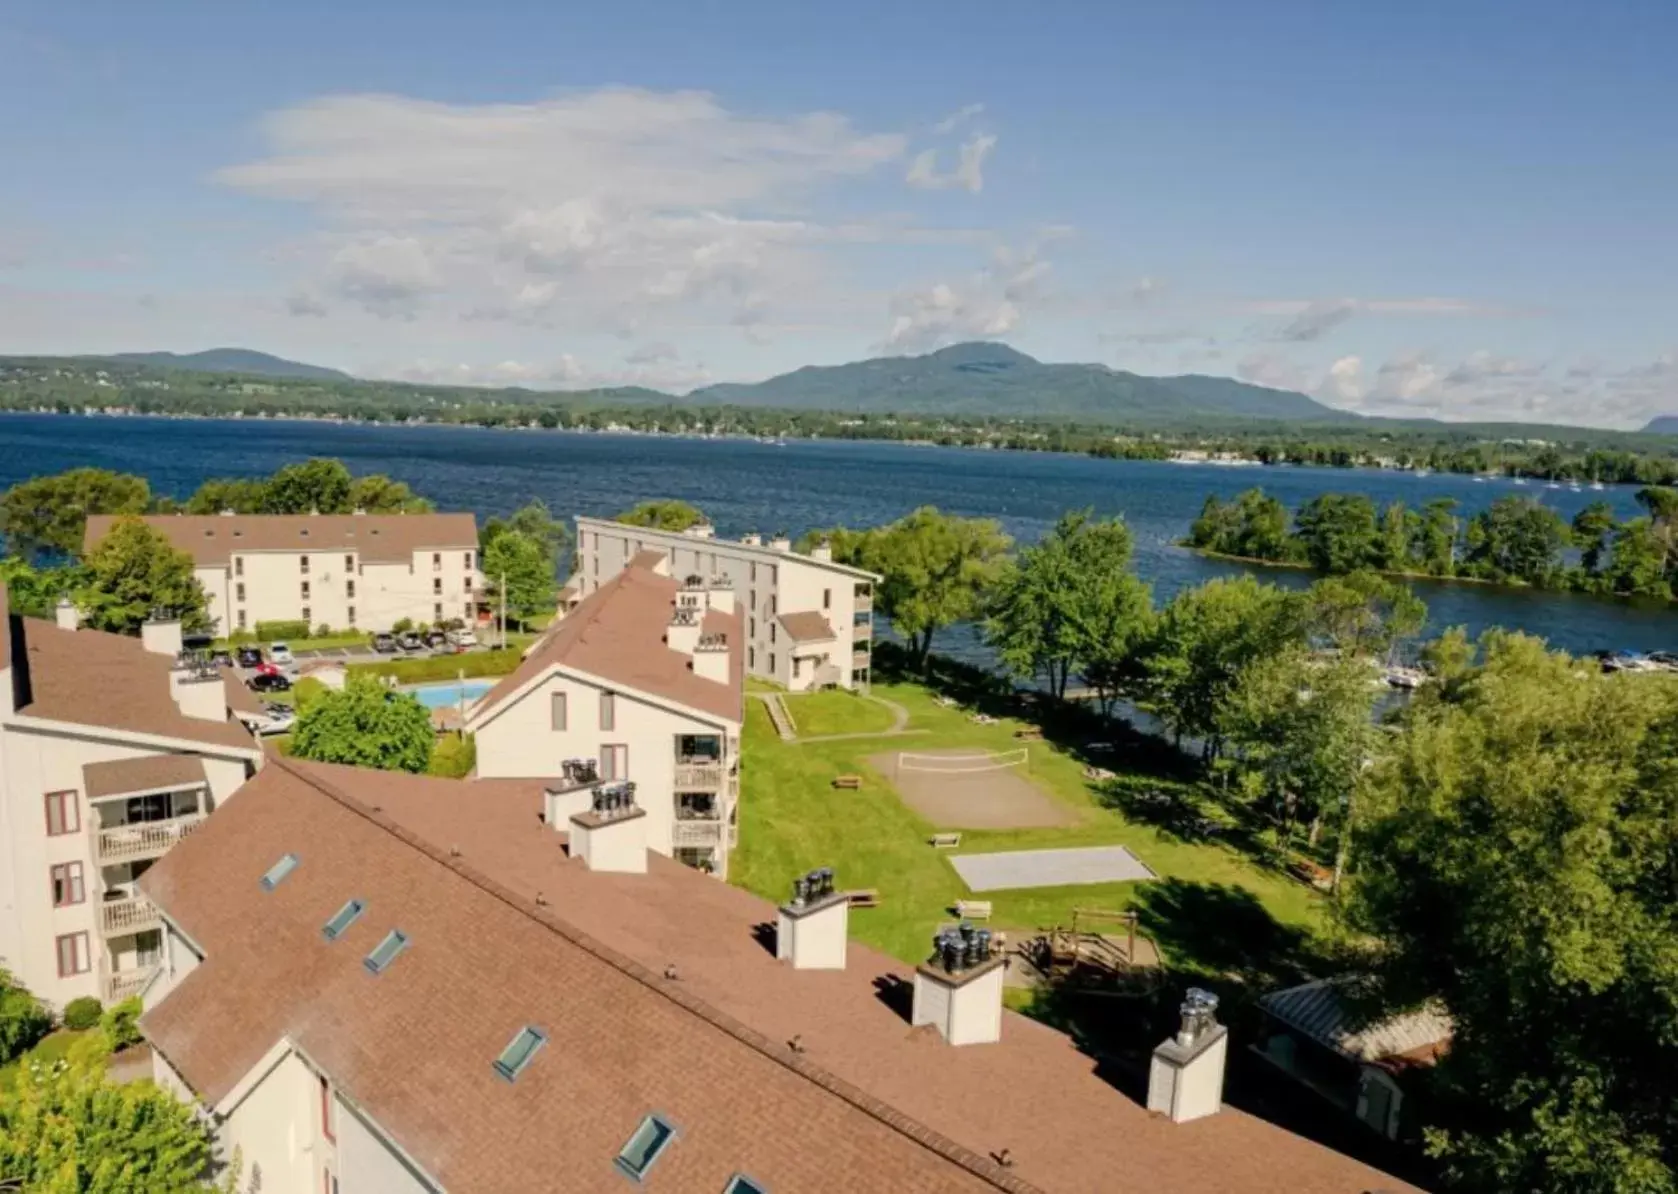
x: 1575, y: 487
x: 1407, y: 678
x: 1598, y: 486
x: 1553, y: 485
x: 1520, y: 480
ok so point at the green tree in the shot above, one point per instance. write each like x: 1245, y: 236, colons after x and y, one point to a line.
x: 134, y: 571
x: 534, y: 520
x: 1516, y: 865
x: 379, y: 494
x: 1338, y: 532
x: 241, y: 495
x: 1204, y: 637
x: 665, y: 514
x: 23, y: 1019
x: 1637, y: 563
x: 33, y: 591
x: 1399, y: 527
x: 1363, y: 613
x: 66, y: 1129
x: 1516, y: 538
x: 365, y: 725
x: 1593, y: 530
x: 1071, y: 603
x: 318, y: 486
x: 935, y: 569
x: 1435, y: 547
x: 521, y: 568
x: 49, y: 514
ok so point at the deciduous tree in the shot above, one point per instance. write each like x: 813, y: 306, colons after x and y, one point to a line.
x: 49, y: 514
x: 319, y: 486
x: 664, y: 514
x: 365, y: 725
x: 135, y: 571
x: 519, y: 568
x: 1363, y: 613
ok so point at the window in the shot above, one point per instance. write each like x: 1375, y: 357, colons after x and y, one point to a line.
x: 271, y: 879
x: 349, y: 563
x: 436, y: 561
x: 751, y: 631
x: 385, y: 952
x: 741, y: 1184
x: 795, y: 662
x: 437, y: 585
x: 350, y: 613
x: 614, y: 762
x: 754, y: 577
x: 303, y: 562
x: 519, y: 1051
x: 751, y: 657
x: 64, y: 814
x: 772, y: 632
x: 304, y: 590
x: 241, y: 619
x: 238, y: 565
x: 305, y: 614
x: 342, y: 919
x: 436, y: 613
x: 827, y: 598
x: 771, y: 661
x: 326, y: 1109
x: 556, y: 706
x: 74, y: 957
x: 771, y: 605
x: 239, y: 591
x: 468, y: 561
x: 349, y: 589
x: 650, y: 1139
x: 67, y: 886
x: 752, y: 604
x: 608, y: 711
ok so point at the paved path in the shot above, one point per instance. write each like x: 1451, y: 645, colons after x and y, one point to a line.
x: 898, y: 728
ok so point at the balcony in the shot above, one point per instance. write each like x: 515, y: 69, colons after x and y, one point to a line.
x: 696, y: 833
x: 859, y: 659
x: 700, y: 776
x: 862, y: 630
x: 141, y: 840
x: 124, y: 984
x: 864, y: 603
x: 130, y: 914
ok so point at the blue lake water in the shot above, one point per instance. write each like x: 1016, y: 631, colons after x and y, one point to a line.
x: 744, y: 485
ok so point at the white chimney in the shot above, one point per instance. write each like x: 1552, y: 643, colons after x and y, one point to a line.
x: 161, y: 636
x: 780, y: 543
x: 199, y: 690
x: 683, y: 632
x: 1186, y: 1077
x: 823, y: 551
x: 67, y: 615
x: 719, y: 595
x: 701, y: 530
x: 573, y: 794
x: 751, y: 539
x: 811, y: 928
x: 959, y: 989
x: 611, y: 835
x: 710, y: 658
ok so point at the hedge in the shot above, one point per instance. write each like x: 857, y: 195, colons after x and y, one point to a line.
x: 445, y: 667
x: 282, y: 630
x: 83, y: 1013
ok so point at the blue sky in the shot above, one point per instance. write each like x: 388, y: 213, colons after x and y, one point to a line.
x: 1454, y: 209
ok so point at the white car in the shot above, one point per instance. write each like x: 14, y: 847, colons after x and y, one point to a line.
x: 279, y: 653
x: 278, y: 721
x: 462, y: 638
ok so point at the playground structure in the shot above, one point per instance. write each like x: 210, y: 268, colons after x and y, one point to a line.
x: 1084, y: 957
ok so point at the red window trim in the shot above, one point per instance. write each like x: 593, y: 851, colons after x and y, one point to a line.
x: 70, y: 808
x: 86, y: 953
x: 80, y: 879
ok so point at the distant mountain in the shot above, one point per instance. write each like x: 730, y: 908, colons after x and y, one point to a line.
x: 984, y: 378
x: 231, y: 360
x: 1662, y: 425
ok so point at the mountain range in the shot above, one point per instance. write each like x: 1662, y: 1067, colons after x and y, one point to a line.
x: 1661, y: 425
x: 231, y: 360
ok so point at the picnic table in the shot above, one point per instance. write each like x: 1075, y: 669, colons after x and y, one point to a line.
x: 865, y: 897
x: 945, y: 841
x: 849, y: 782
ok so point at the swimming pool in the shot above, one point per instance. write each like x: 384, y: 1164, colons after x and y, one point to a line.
x: 452, y: 694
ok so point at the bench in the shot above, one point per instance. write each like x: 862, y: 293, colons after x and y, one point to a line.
x: 1310, y: 873
x: 1029, y: 734
x: 867, y: 897
x: 973, y: 909
x: 946, y: 841
x: 851, y: 783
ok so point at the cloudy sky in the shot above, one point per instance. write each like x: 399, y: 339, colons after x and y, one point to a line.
x: 1458, y: 208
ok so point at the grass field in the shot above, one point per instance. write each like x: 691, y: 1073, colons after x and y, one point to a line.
x: 52, y: 1048
x: 1213, y: 909
x: 836, y: 711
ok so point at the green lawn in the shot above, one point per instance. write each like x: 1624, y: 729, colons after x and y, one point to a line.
x: 836, y: 711
x: 52, y: 1048
x: 1212, y: 910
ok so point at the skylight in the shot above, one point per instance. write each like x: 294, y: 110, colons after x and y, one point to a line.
x: 645, y: 1147
x: 342, y: 919
x: 279, y: 871
x: 519, y: 1051
x: 741, y: 1184
x: 385, y: 952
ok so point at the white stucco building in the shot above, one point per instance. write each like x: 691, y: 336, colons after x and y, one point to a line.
x: 642, y: 680
x: 110, y: 753
x: 345, y: 571
x: 808, y: 621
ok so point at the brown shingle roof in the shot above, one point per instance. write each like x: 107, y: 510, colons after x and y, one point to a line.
x: 89, y: 678
x: 212, y: 539
x: 647, y: 558
x: 807, y: 626
x: 146, y: 774
x: 1034, y: 1093
x: 617, y: 634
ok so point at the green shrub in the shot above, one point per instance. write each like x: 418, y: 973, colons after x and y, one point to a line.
x: 323, y: 631
x: 403, y: 625
x: 82, y: 1014
x: 23, y: 1021
x: 291, y: 628
x: 305, y: 691
x: 454, y: 756
x: 121, y: 1024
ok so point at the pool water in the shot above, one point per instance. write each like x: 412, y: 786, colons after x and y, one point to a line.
x: 451, y: 695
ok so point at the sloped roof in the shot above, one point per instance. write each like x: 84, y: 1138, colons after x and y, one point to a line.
x: 617, y: 633
x: 807, y: 626
x: 146, y: 774
x: 1319, y: 1010
x: 508, y: 931
x: 211, y: 539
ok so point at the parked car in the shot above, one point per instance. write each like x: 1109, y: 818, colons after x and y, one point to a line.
x: 268, y: 668
x: 384, y: 644
x: 269, y: 682
x: 279, y: 721
x: 279, y: 652
x: 250, y: 657
x: 410, y: 642
x: 461, y: 638
x: 221, y: 658
x: 435, y: 639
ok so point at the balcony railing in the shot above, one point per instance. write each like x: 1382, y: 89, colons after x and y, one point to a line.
x: 697, y: 833
x: 862, y: 630
x: 864, y: 602
x: 859, y: 659
x: 700, y: 777
x: 131, y: 914
x: 141, y: 840
x: 126, y: 983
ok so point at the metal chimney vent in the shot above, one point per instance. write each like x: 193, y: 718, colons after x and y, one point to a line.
x: 614, y: 800
x: 1199, y: 1011
x: 811, y: 887
x: 961, y: 947
x: 580, y: 771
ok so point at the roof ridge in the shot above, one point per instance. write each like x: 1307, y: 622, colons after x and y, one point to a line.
x: 877, y: 1109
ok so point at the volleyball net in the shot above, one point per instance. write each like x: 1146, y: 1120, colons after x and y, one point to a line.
x: 962, y: 764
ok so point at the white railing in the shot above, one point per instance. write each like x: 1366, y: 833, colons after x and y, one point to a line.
x: 144, y: 839
x: 703, y: 777
x: 126, y: 983
x: 862, y: 630
x: 864, y: 603
x: 859, y: 659
x: 131, y: 914
x: 697, y: 833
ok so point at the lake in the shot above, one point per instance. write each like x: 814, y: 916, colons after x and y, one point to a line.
x: 744, y: 485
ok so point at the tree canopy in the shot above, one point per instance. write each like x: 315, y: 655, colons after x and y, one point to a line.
x: 663, y: 514
x: 134, y: 571
x: 365, y: 725
x: 48, y: 515
x: 1516, y: 864
x: 520, y: 568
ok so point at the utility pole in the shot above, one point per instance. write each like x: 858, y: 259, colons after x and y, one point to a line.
x: 503, y: 642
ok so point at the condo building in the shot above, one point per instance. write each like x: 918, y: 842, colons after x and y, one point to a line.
x: 346, y: 571
x: 809, y: 621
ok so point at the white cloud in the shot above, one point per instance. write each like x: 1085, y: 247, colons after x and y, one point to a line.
x: 969, y: 171
x: 1344, y: 382
x: 957, y: 118
x: 984, y: 306
x: 592, y: 207
x: 1317, y: 320
x: 566, y: 372
x: 1268, y: 369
